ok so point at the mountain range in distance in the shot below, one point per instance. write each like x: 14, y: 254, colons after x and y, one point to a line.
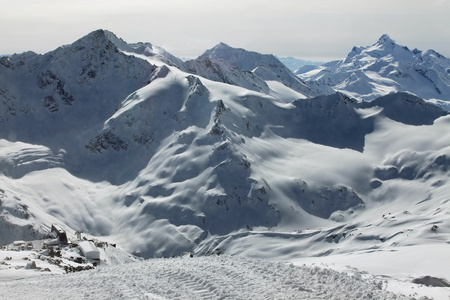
x: 372, y: 71
x: 227, y: 151
x: 295, y: 63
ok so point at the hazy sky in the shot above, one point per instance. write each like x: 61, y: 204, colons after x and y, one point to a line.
x: 313, y: 29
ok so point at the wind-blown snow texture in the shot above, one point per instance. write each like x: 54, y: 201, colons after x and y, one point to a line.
x: 227, y: 153
x: 207, y: 278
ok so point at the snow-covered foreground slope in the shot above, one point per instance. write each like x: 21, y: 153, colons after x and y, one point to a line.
x: 385, y: 67
x: 214, y: 277
x: 416, y: 271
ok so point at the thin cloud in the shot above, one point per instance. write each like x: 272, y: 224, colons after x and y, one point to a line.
x: 305, y: 29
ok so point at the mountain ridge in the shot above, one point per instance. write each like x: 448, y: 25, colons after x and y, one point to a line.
x: 265, y: 66
x: 128, y: 144
x: 373, y: 71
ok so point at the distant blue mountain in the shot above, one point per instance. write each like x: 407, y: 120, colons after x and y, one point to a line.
x: 294, y: 64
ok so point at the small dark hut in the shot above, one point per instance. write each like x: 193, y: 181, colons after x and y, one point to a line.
x: 60, y: 234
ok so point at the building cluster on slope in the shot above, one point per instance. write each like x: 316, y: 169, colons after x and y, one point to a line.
x: 88, y: 248
x: 68, y: 254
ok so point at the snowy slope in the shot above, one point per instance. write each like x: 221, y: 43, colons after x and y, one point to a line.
x: 68, y: 92
x: 219, y: 70
x: 163, y: 161
x: 265, y: 66
x: 212, y: 160
x: 222, y: 277
x: 385, y: 67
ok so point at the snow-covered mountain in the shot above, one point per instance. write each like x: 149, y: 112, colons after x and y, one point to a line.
x: 219, y: 70
x: 62, y: 98
x: 265, y: 66
x: 222, y: 154
x: 369, y: 72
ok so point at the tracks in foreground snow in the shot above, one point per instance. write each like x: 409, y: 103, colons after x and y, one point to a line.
x: 214, y: 277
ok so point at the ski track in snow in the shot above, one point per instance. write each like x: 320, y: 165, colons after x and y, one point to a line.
x: 213, y: 277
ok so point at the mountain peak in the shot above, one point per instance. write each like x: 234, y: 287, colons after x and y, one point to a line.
x: 102, y: 37
x: 100, y: 34
x: 222, y: 45
x: 220, y: 50
x: 386, y: 40
x: 238, y: 57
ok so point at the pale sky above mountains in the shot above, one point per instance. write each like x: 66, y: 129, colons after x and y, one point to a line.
x: 317, y: 30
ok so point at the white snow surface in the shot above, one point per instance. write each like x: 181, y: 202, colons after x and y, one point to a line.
x: 126, y: 144
x: 394, y: 266
x: 385, y: 67
x: 213, y: 277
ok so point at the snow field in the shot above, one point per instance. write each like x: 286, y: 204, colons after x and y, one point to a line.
x: 213, y: 277
x: 399, y: 267
x: 238, y: 166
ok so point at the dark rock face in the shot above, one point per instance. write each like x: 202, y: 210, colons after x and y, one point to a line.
x: 432, y: 281
x: 407, y: 109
